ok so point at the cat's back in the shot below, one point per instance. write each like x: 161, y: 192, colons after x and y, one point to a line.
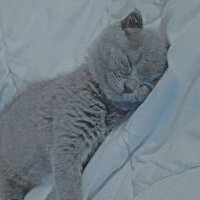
x: 37, y: 99
x: 26, y: 122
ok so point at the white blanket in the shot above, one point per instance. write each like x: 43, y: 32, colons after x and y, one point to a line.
x: 154, y: 155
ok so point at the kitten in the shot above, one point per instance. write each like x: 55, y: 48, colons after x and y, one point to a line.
x: 57, y: 125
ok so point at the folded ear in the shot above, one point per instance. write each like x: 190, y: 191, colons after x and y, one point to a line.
x: 132, y: 22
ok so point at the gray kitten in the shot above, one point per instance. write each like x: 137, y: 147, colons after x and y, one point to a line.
x: 57, y: 125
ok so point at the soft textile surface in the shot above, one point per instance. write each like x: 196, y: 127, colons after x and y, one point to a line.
x: 156, y: 154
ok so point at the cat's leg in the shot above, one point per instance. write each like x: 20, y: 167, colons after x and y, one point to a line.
x: 68, y: 156
x: 67, y: 175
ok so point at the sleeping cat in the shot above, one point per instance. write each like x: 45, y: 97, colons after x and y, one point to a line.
x: 57, y: 125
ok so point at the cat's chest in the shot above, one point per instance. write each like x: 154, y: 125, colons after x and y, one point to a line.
x: 91, y: 118
x: 83, y: 113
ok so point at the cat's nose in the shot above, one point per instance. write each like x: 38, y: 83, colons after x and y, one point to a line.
x: 127, y: 89
x: 129, y: 86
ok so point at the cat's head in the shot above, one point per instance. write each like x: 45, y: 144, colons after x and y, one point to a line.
x: 127, y: 61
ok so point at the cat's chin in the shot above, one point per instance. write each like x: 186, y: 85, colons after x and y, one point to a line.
x: 126, y: 106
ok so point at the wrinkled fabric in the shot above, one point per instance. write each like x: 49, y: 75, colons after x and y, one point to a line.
x: 155, y: 154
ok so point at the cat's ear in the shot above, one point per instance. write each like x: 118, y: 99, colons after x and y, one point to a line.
x: 132, y: 22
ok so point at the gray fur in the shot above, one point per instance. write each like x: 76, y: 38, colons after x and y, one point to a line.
x: 57, y: 125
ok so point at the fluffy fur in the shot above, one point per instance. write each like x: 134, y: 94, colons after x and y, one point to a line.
x: 57, y: 125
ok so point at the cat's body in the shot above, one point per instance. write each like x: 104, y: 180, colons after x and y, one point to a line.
x: 57, y: 125
x: 27, y: 138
